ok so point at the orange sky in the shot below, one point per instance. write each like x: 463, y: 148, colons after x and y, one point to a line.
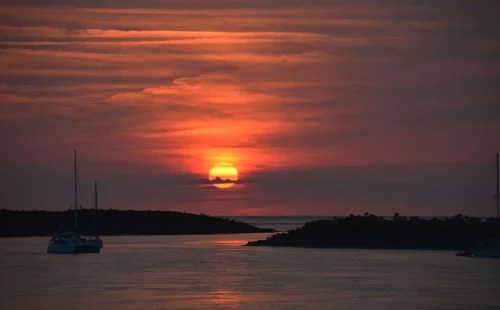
x: 325, y: 107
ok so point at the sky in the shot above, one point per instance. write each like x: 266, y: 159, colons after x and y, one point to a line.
x: 324, y: 107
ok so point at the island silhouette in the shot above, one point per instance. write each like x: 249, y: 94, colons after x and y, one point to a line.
x: 119, y: 222
x: 219, y: 180
x: 400, y: 232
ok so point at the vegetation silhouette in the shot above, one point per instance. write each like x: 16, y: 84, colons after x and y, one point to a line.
x: 218, y: 180
x: 370, y: 231
x: 118, y: 222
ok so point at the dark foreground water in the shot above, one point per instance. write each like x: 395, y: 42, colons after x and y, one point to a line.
x: 215, y: 272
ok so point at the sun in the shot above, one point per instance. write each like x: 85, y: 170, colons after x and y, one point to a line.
x: 223, y: 175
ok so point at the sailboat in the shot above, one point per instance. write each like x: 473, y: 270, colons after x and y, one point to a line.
x: 68, y: 241
x: 95, y: 239
x: 491, y: 247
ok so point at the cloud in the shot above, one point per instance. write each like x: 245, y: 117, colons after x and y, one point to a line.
x: 289, y: 86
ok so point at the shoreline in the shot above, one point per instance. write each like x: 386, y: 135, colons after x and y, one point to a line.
x: 148, y: 234
x: 369, y: 231
x: 249, y: 244
x: 119, y: 222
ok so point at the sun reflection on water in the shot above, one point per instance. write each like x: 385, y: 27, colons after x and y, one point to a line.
x: 225, y: 297
x: 231, y: 242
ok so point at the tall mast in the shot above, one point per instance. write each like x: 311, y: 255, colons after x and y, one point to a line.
x: 95, y: 191
x: 76, y: 193
x: 498, y: 210
x: 95, y: 204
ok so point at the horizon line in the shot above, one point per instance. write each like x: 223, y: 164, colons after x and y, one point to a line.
x: 235, y: 216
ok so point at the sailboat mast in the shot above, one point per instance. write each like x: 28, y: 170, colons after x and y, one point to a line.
x: 95, y: 204
x: 95, y: 192
x: 76, y: 193
x: 498, y: 209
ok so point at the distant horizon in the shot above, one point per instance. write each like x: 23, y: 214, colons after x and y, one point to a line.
x: 261, y: 216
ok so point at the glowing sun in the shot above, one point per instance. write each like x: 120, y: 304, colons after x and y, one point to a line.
x: 223, y: 175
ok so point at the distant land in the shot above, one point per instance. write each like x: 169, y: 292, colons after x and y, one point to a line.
x: 370, y: 231
x: 118, y: 222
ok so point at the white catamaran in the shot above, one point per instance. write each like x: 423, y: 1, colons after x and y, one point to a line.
x: 67, y: 241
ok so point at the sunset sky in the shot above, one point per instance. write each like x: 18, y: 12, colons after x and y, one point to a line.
x: 325, y: 107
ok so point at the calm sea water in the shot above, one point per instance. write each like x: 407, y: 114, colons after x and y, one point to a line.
x: 216, y: 272
x: 280, y: 223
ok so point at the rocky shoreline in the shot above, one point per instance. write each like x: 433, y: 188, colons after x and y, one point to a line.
x: 374, y: 232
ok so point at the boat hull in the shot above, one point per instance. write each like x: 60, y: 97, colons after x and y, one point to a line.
x: 88, y: 248
x: 97, y: 243
x: 77, y: 249
x: 480, y: 253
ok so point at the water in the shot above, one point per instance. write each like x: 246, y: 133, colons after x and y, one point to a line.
x: 215, y: 272
x: 280, y: 223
